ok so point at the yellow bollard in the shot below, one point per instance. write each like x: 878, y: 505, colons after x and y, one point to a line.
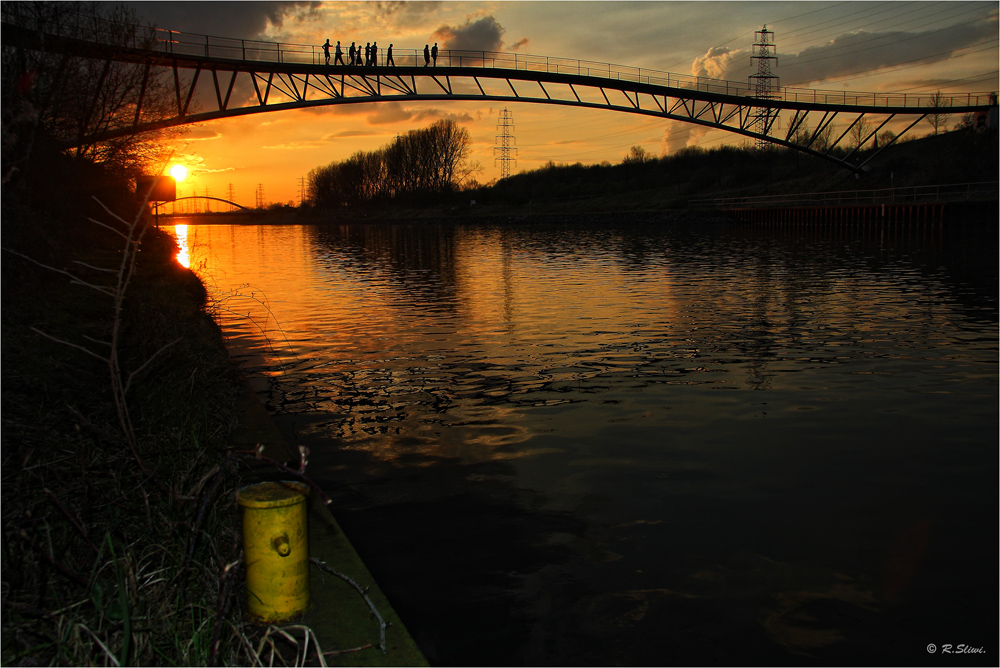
x: 276, y: 549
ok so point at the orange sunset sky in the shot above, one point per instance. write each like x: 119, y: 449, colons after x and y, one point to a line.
x: 857, y: 46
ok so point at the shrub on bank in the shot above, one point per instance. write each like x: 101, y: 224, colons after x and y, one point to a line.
x: 119, y: 522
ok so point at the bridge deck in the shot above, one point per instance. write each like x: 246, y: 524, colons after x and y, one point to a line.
x: 188, y: 50
x: 294, y: 76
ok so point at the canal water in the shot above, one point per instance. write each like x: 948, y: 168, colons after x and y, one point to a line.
x: 641, y: 444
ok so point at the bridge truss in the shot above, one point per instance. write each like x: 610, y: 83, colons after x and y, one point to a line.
x: 212, y: 78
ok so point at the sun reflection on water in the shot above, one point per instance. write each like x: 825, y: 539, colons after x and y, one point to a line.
x: 183, y: 252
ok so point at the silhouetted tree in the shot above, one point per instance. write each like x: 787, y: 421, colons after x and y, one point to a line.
x: 967, y: 122
x: 859, y: 132
x: 637, y: 155
x: 427, y: 161
x: 70, y: 96
x: 938, y: 118
x: 804, y: 135
x: 886, y: 137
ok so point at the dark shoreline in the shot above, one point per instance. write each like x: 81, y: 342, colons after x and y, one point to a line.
x: 636, y: 217
x: 981, y: 212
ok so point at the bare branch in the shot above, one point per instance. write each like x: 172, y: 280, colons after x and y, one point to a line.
x: 258, y: 453
x: 71, y: 345
x: 364, y: 594
x: 110, y: 212
x: 90, y: 266
x: 108, y: 227
x: 90, y: 338
x: 75, y: 279
x: 152, y: 357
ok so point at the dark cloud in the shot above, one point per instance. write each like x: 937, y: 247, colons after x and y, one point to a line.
x: 201, y: 133
x: 347, y: 133
x: 394, y: 112
x: 857, y: 51
x: 389, y: 112
x: 484, y: 34
x: 409, y: 10
x: 432, y: 115
x: 386, y: 113
x: 246, y: 20
x: 850, y: 53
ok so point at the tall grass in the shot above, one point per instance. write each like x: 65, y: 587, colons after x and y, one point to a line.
x: 118, y: 494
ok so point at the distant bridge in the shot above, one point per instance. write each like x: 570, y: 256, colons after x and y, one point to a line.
x: 217, y: 199
x: 295, y: 76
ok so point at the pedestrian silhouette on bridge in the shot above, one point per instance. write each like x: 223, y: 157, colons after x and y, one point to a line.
x: 388, y: 57
x: 427, y: 55
x: 374, y: 54
x: 326, y: 50
x: 352, y: 54
x: 368, y: 54
x: 434, y: 53
x: 339, y: 54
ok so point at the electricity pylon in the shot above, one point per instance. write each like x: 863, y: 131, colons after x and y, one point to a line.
x: 505, y: 143
x: 765, y: 83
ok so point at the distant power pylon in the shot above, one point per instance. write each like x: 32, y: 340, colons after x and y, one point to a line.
x: 765, y: 83
x: 302, y: 190
x: 230, y: 196
x: 505, y: 143
x: 260, y: 195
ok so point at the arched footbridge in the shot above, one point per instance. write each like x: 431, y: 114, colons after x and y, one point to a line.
x: 212, y: 199
x: 249, y: 77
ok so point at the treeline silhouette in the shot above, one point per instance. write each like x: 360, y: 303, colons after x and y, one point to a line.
x: 643, y: 180
x: 423, y: 163
x: 426, y: 170
x: 668, y: 181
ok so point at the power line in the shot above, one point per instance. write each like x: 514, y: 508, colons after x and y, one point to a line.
x: 956, y: 82
x: 853, y: 48
x: 869, y: 42
x: 841, y: 23
x: 750, y: 32
x: 888, y: 69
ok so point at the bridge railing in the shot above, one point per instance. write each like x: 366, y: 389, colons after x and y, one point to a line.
x: 957, y: 192
x: 180, y: 43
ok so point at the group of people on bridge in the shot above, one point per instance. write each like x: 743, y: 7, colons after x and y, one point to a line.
x: 354, y: 54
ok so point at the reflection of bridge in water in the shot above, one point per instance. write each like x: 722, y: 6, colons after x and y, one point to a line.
x: 275, y: 77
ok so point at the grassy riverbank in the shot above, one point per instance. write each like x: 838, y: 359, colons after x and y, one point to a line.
x: 126, y: 433
x: 118, y: 502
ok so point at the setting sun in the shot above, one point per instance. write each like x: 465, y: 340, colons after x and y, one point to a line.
x: 179, y: 172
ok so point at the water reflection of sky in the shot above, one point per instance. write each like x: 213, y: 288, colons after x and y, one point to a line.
x: 419, y: 329
x: 739, y: 426
x: 183, y: 252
